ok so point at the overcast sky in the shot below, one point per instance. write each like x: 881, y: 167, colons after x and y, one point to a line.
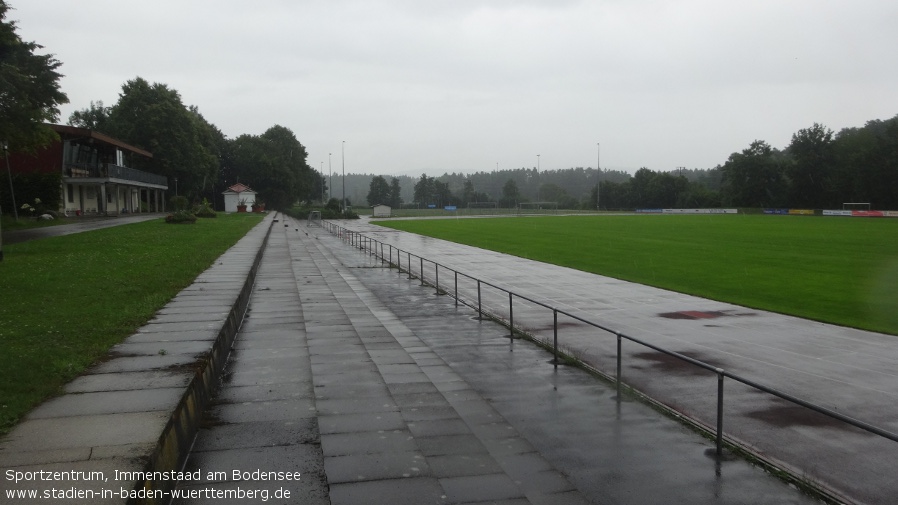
x: 417, y: 86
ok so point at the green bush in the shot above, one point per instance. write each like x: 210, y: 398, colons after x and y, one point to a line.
x: 180, y: 217
x: 205, y: 209
x: 30, y: 187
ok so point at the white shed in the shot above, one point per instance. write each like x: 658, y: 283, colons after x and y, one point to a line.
x: 382, y: 211
x: 238, y: 192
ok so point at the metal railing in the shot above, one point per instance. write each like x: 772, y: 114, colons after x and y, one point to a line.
x: 376, y: 248
x: 110, y: 170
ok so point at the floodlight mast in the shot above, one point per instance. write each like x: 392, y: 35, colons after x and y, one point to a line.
x: 598, y: 172
x: 5, y: 147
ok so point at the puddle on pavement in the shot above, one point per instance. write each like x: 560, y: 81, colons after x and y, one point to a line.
x: 671, y: 364
x: 704, y: 314
x: 784, y: 415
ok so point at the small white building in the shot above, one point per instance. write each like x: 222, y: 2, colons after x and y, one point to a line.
x: 236, y: 193
x: 382, y: 211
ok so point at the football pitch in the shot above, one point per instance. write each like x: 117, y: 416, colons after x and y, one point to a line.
x: 831, y: 269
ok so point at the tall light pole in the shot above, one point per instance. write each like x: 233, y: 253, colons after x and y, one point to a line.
x: 330, y: 174
x: 322, y: 183
x: 12, y: 193
x: 537, y: 178
x: 598, y: 171
x: 5, y: 147
x: 343, y: 160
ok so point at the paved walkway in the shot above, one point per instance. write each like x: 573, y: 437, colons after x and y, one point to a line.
x: 377, y: 391
x: 850, y: 371
x: 78, y: 225
x: 373, y: 389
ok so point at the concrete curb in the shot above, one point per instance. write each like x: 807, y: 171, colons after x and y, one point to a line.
x: 177, y: 437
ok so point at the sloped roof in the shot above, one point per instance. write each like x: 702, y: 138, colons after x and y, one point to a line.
x: 64, y: 130
x: 239, y: 188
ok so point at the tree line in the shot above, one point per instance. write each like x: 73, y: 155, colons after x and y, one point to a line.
x: 195, y: 155
x: 198, y: 160
x: 819, y: 169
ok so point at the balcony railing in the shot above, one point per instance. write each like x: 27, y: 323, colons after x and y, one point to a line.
x: 111, y: 171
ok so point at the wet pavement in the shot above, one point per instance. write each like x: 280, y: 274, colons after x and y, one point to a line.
x: 77, y: 225
x: 850, y: 371
x: 379, y: 391
x: 374, y: 389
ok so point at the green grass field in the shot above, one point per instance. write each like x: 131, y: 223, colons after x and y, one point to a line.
x: 837, y: 270
x: 66, y: 300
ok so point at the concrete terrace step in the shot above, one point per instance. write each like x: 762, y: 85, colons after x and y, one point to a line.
x: 373, y: 416
x: 138, y: 410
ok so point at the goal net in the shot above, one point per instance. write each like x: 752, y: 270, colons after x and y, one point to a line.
x: 537, y: 207
x: 314, y: 218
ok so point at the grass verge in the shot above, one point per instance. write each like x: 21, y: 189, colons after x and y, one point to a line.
x: 836, y: 270
x: 67, y: 299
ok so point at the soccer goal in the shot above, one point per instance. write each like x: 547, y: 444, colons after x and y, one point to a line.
x: 856, y: 206
x: 482, y: 207
x: 538, y: 208
x: 314, y: 218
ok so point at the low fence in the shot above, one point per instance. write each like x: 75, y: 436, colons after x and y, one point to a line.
x: 429, y: 272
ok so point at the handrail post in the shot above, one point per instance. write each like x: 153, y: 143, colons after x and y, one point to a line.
x: 409, y: 265
x: 555, y: 339
x: 619, y: 345
x: 510, y: 317
x: 719, y: 412
x: 421, y: 270
x: 456, y: 288
x: 479, y: 306
x: 437, y: 277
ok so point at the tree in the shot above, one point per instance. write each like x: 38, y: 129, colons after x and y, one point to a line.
x: 378, y: 191
x: 442, y: 194
x: 424, y: 191
x: 29, y: 90
x: 395, y: 193
x: 867, y: 164
x: 153, y: 117
x: 755, y: 177
x: 510, y: 194
x: 812, y: 169
x: 95, y: 117
x: 468, y: 193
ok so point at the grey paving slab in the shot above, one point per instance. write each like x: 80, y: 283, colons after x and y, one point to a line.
x: 847, y: 370
x: 352, y: 372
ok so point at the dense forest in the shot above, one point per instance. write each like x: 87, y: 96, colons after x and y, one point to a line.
x: 819, y: 169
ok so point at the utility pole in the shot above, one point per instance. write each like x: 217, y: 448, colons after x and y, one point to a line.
x: 12, y: 192
x: 343, y: 160
x: 1, y: 207
x: 598, y: 172
x: 330, y: 174
x: 537, y: 181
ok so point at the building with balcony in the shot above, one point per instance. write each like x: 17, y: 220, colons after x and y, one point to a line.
x: 96, y: 179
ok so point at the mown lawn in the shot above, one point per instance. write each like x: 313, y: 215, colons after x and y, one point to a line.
x: 837, y: 270
x: 66, y: 300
